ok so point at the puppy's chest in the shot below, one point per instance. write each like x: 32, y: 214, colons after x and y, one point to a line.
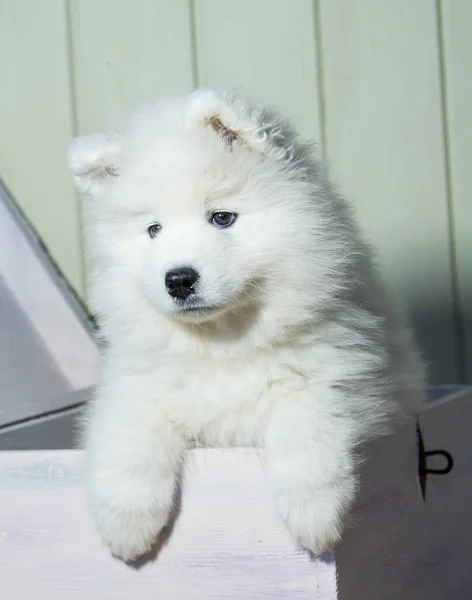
x: 227, y: 402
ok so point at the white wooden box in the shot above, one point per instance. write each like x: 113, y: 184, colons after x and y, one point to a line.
x: 227, y: 541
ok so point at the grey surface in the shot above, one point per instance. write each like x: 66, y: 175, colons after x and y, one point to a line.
x: 35, y: 242
x: 56, y: 432
x: 30, y: 381
x: 46, y: 344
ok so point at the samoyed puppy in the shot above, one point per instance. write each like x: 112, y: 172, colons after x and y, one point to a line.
x: 240, y: 307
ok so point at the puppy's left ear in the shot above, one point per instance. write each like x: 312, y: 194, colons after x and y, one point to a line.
x: 231, y: 118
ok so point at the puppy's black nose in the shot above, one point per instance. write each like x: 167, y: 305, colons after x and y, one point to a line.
x: 180, y: 283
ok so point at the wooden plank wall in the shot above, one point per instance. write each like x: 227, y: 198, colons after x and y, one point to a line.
x: 36, y: 115
x: 381, y: 86
x: 455, y: 19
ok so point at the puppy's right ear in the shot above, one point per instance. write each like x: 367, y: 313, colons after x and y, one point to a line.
x: 94, y: 160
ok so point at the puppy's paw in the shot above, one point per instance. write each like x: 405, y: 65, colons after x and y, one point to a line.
x: 315, y: 521
x: 129, y: 534
x: 128, y: 517
x: 315, y: 528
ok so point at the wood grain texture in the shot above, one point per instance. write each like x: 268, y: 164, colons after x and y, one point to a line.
x: 227, y: 543
x: 263, y: 48
x: 456, y: 18
x: 125, y: 55
x: 385, y: 142
x: 36, y: 124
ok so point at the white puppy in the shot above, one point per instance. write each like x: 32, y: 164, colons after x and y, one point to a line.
x: 240, y: 307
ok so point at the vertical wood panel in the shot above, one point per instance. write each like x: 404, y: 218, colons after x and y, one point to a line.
x: 264, y: 48
x: 384, y: 129
x: 35, y: 124
x: 127, y: 53
x: 385, y: 141
x: 457, y: 60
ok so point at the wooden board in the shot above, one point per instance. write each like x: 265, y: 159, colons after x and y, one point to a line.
x: 456, y: 25
x: 406, y: 547
x: 58, y: 430
x: 227, y: 543
x: 385, y: 142
x: 46, y: 345
x: 125, y: 55
x: 36, y: 124
x: 264, y: 48
x: 24, y: 395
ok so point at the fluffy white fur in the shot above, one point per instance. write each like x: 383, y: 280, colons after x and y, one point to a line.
x: 302, y: 353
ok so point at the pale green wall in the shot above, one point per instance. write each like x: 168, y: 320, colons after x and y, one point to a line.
x: 383, y: 87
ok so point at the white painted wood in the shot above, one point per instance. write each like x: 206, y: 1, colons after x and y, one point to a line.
x: 125, y: 54
x: 405, y: 548
x: 35, y: 124
x: 457, y: 60
x: 384, y: 139
x: 263, y: 48
x: 227, y: 543
x: 47, y: 309
x: 30, y: 381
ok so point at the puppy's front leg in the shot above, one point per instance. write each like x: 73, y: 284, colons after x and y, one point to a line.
x: 134, y: 458
x: 311, y: 466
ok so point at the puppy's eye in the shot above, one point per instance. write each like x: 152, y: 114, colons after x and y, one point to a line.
x: 223, y: 219
x: 153, y: 230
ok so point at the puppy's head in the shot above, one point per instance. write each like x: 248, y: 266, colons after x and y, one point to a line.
x: 207, y: 207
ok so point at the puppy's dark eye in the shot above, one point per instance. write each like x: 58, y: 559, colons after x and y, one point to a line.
x: 223, y: 219
x: 153, y: 230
